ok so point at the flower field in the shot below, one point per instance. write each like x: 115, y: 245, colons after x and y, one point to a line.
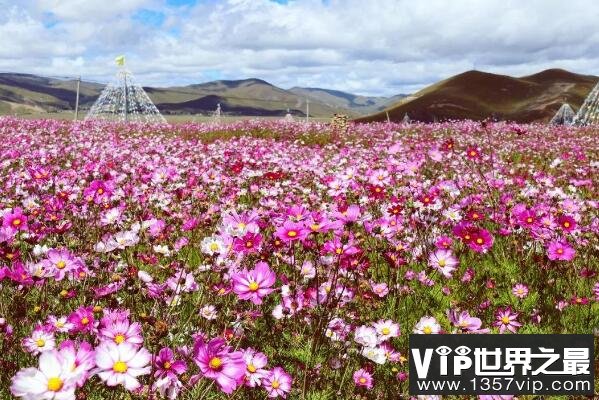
x: 277, y: 260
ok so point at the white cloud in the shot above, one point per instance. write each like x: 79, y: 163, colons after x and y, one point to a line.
x: 370, y: 47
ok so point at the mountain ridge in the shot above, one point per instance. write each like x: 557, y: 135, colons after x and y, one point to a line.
x: 480, y: 95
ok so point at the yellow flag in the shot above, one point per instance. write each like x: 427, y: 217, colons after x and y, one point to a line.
x: 120, y: 61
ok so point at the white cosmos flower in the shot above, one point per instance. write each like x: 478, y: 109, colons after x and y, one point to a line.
x: 53, y: 379
x: 366, y: 336
x: 121, y: 364
x: 375, y: 354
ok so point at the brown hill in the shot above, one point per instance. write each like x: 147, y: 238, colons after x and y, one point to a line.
x: 479, y: 95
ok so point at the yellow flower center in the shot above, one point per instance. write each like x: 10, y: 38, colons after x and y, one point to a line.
x: 314, y: 227
x: 560, y: 251
x: 213, y: 246
x: 253, y: 286
x: 100, y: 191
x: 479, y: 241
x: 215, y: 363
x: 61, y: 264
x: 292, y: 233
x: 16, y: 222
x: 362, y: 380
x: 529, y: 220
x: 118, y: 339
x: 84, y: 321
x: 505, y: 320
x: 251, y: 368
x: 64, y: 292
x: 428, y: 330
x: 55, y: 384
x: 442, y: 262
x: 249, y: 244
x: 339, y: 250
x: 120, y: 367
x: 386, y: 331
x: 167, y: 365
x: 275, y: 384
x: 40, y: 342
x: 566, y: 224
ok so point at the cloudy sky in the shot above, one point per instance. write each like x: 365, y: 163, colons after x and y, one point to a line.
x: 374, y: 47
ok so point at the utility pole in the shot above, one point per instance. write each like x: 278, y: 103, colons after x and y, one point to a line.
x: 77, y: 98
x: 388, y: 119
x: 307, y: 110
x: 126, y: 96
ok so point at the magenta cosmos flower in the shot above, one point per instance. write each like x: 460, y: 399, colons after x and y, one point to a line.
x: 82, y: 319
x: 277, y: 383
x: 121, y: 364
x: 219, y: 363
x: 254, y: 285
x: 249, y: 243
x: 291, y: 231
x: 505, y: 319
x: 167, y: 366
x: 15, y: 220
x: 363, y: 378
x: 560, y: 250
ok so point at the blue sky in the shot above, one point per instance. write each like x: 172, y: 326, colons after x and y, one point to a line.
x: 374, y: 47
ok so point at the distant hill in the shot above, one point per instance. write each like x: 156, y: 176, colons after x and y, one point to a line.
x: 24, y: 93
x: 479, y: 95
x: 339, y: 99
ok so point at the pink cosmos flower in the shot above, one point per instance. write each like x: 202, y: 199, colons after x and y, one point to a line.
x: 380, y: 289
x: 444, y: 261
x: 291, y: 231
x: 363, y: 378
x: 277, y: 383
x: 255, y: 363
x: 121, y: 364
x: 465, y: 322
x: 386, y: 329
x: 121, y: 331
x: 60, y: 261
x: 167, y: 366
x: 53, y: 380
x: 560, y: 250
x: 506, y: 320
x: 254, y: 285
x: 15, y: 220
x: 217, y: 362
x: 520, y: 291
